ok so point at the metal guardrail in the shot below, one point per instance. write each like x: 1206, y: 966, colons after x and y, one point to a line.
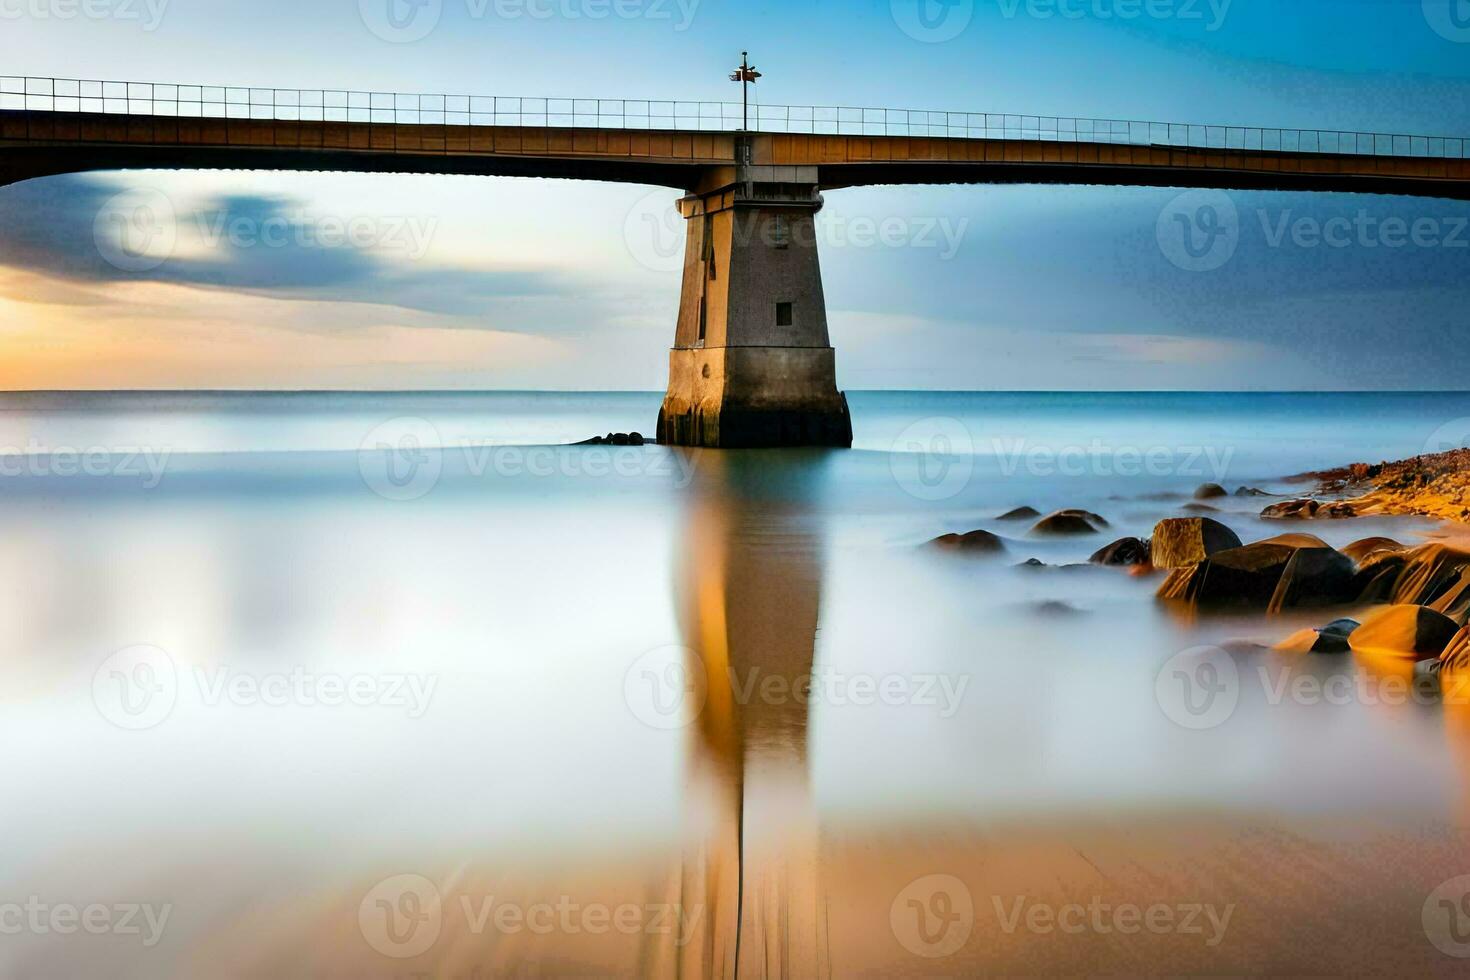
x: 322, y: 105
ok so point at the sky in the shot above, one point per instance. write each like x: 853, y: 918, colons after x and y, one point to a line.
x: 354, y: 281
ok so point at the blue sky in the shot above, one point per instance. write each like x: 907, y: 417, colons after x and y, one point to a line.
x: 482, y: 283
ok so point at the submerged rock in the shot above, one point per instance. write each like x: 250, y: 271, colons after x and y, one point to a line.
x: 1309, y: 510
x: 616, y: 439
x: 1287, y: 572
x: 1410, y: 632
x: 1332, y: 638
x: 973, y: 543
x: 1124, y: 551
x: 1180, y: 542
x: 1250, y: 492
x: 1200, y: 509
x: 1209, y: 492
x: 1020, y: 514
x: 1070, y: 522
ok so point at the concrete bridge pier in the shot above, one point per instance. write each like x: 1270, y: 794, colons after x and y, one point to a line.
x: 752, y: 364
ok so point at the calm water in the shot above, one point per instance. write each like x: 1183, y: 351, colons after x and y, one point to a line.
x: 268, y: 653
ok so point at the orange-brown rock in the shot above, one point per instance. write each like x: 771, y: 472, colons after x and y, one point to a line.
x: 1181, y: 542
x: 1404, y: 631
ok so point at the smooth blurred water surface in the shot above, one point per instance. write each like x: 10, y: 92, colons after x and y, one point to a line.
x: 315, y: 541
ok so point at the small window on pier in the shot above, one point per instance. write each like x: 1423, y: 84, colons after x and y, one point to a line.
x: 783, y: 315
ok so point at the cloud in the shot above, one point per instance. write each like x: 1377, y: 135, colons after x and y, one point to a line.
x: 77, y: 228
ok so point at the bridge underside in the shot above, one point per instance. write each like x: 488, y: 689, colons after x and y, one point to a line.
x: 752, y: 363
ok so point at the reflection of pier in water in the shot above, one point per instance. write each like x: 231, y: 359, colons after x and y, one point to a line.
x: 749, y: 589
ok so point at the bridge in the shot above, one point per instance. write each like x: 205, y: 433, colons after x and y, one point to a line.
x: 752, y: 363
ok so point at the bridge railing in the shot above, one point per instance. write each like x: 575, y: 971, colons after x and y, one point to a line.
x: 325, y: 105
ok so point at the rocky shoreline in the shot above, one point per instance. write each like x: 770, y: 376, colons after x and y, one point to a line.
x: 1394, y: 602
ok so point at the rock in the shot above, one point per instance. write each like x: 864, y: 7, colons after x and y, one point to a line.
x: 1410, y: 632
x: 1020, y: 514
x: 973, y: 543
x: 615, y: 439
x: 1124, y: 551
x: 1359, y: 551
x: 1200, y: 509
x: 1070, y: 522
x: 1309, y: 510
x: 1209, y: 492
x: 1429, y: 572
x: 1287, y: 572
x: 1180, y: 542
x: 1250, y: 492
x: 1055, y: 607
x: 1332, y: 638
x: 1456, y: 656
x: 1033, y: 563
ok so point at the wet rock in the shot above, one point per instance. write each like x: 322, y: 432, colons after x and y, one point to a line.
x: 1429, y: 573
x: 1055, y: 607
x: 1286, y: 572
x: 1069, y: 522
x: 1332, y: 638
x: 1033, y: 563
x: 973, y: 543
x: 616, y: 439
x: 1020, y: 514
x: 1409, y: 632
x: 1309, y: 510
x: 1359, y: 551
x: 1200, y: 509
x: 1180, y: 542
x: 1250, y: 492
x: 1124, y: 552
x: 1209, y: 492
x: 1456, y: 656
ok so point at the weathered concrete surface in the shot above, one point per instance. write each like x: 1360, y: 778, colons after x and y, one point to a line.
x: 752, y: 364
